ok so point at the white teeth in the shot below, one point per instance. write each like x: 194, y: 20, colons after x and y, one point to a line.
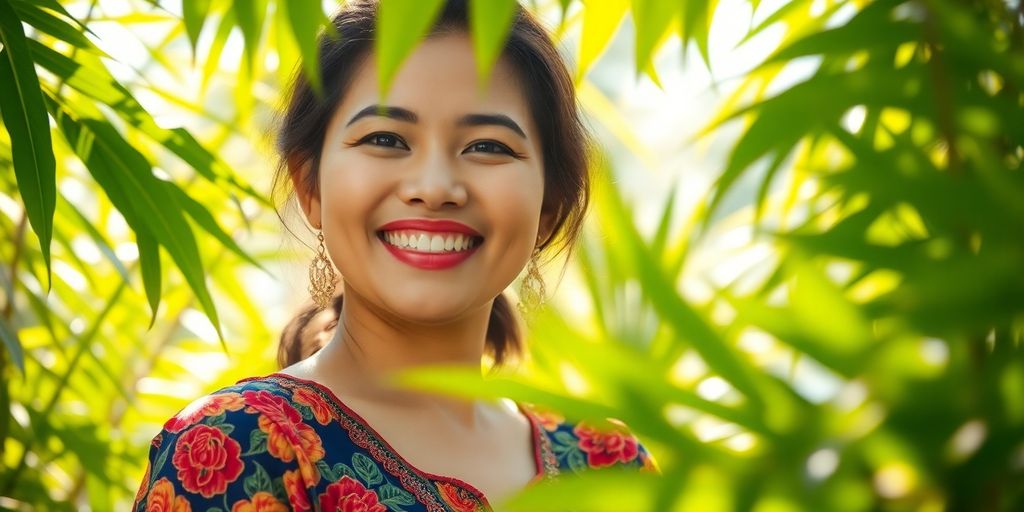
x: 432, y: 243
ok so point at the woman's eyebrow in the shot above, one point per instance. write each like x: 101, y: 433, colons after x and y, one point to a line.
x: 491, y: 119
x: 397, y: 113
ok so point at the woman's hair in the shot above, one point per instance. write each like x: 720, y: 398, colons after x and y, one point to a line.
x: 289, y: 347
x: 549, y: 92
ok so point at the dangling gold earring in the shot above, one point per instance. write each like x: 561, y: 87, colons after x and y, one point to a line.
x: 531, y: 289
x: 322, y: 278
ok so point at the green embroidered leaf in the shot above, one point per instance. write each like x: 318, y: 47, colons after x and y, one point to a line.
x: 213, y: 421
x: 227, y: 428
x: 392, y: 495
x: 326, y: 471
x: 258, y: 481
x: 341, y: 469
x: 305, y: 412
x: 564, y: 438
x: 257, y: 442
x: 160, y: 461
x: 576, y: 460
x: 367, y: 469
x: 279, y: 490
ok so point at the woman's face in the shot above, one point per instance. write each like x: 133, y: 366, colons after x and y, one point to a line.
x: 430, y: 199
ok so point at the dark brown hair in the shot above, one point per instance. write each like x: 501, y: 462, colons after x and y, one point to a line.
x: 289, y: 347
x: 549, y: 92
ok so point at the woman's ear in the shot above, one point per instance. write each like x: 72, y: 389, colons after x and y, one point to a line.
x: 308, y: 199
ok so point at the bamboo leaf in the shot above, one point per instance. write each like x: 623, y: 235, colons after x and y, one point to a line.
x: 401, y: 25
x: 194, y: 13
x: 24, y: 116
x: 305, y: 19
x: 652, y: 19
x: 54, y: 26
x: 205, y: 219
x: 145, y: 201
x: 489, y: 22
x: 152, y: 277
x: 13, y: 344
x: 601, y: 19
x: 249, y: 16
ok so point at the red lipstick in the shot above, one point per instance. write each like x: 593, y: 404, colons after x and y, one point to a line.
x: 430, y: 260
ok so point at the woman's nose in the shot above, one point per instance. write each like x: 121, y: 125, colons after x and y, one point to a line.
x: 434, y: 185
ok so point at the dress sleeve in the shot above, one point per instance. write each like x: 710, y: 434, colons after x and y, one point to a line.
x: 228, y: 452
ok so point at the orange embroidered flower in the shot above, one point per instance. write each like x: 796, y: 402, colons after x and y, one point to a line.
x: 348, y: 495
x: 162, y: 498
x: 296, y: 491
x: 286, y: 431
x: 209, y: 405
x: 457, y: 498
x: 321, y: 409
x: 549, y: 420
x: 207, y: 460
x: 262, y: 501
x: 605, y: 448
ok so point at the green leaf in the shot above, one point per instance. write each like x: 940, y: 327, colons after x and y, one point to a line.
x: 142, y: 199
x: 401, y: 25
x: 489, y: 22
x: 250, y: 15
x: 220, y: 38
x: 600, y: 22
x: 152, y: 277
x: 392, y: 496
x: 205, y: 219
x: 259, y: 481
x: 367, y: 469
x: 13, y: 344
x: 24, y: 116
x: 652, y: 19
x: 194, y: 13
x: 305, y: 19
x: 56, y: 27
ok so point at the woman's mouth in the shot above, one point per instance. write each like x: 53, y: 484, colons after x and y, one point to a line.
x: 429, y: 242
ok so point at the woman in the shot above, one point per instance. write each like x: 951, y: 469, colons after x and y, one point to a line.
x: 308, y: 332
x: 429, y: 201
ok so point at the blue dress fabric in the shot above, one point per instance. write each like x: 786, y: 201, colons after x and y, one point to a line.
x: 280, y: 443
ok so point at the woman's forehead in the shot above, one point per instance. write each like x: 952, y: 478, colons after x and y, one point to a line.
x: 439, y: 81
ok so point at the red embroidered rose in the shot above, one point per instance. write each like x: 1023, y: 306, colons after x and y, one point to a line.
x: 162, y: 499
x: 321, y: 409
x: 348, y: 495
x: 262, y: 501
x: 296, y: 490
x: 605, y: 448
x: 457, y: 498
x: 207, y: 460
x: 274, y: 407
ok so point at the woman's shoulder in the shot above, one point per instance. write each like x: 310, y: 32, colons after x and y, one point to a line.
x: 577, y: 446
x: 253, y: 440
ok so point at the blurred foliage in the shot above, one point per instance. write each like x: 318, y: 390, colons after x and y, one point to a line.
x: 869, y: 358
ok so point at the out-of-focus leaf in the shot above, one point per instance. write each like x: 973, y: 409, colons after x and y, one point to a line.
x: 597, y: 491
x: 249, y: 16
x: 305, y: 19
x: 601, y: 19
x: 652, y: 19
x: 489, y: 22
x: 205, y: 219
x: 13, y: 345
x: 97, y: 237
x: 152, y: 276
x: 220, y: 38
x: 194, y: 13
x: 696, y: 24
x: 401, y: 24
x: 24, y: 115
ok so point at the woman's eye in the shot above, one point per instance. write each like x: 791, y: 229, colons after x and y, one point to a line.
x: 485, y: 146
x: 388, y: 140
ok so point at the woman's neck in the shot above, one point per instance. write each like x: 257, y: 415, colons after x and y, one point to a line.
x: 370, y: 346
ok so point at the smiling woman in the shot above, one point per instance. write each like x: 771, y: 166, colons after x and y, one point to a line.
x: 429, y: 201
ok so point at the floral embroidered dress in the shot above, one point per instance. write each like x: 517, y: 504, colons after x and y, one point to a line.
x: 280, y: 443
